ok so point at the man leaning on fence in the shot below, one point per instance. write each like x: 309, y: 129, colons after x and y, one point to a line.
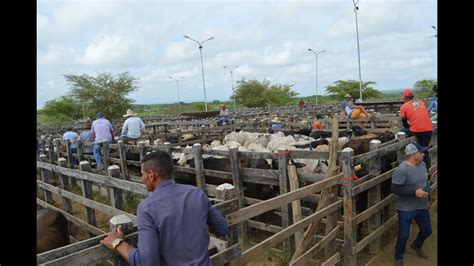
x: 173, y: 222
x: 102, y: 130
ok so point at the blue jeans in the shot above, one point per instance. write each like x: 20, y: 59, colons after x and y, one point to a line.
x: 422, y: 218
x: 221, y: 121
x: 74, y: 159
x: 96, y: 152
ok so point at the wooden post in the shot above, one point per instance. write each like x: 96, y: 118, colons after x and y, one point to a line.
x: 374, y: 196
x: 105, y: 154
x: 141, y: 150
x: 239, y: 189
x: 123, y: 160
x: 151, y: 138
x: 199, y: 164
x: 167, y: 148
x: 69, y: 154
x: 64, y: 180
x: 288, y: 246
x: 57, y: 144
x: 45, y: 175
x: 349, y: 207
x: 296, y: 205
x: 127, y: 226
x: 400, y: 152
x: 225, y: 192
x: 80, y: 150
x: 116, y: 196
x: 50, y: 151
x: 87, y: 193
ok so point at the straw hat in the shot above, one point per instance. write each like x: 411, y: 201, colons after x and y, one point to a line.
x: 129, y: 113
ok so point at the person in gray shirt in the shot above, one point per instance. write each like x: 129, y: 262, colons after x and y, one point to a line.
x: 410, y: 185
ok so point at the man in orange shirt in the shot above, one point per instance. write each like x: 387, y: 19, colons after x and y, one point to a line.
x: 416, y: 120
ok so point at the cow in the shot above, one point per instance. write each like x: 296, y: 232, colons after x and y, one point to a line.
x: 51, y: 230
x: 361, y: 146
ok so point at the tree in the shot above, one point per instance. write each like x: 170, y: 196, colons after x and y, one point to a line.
x: 253, y: 93
x: 62, y: 110
x: 342, y: 87
x: 106, y: 92
x: 424, y: 87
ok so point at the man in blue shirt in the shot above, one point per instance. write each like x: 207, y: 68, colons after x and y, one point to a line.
x: 173, y: 221
x: 132, y: 127
x: 72, y: 137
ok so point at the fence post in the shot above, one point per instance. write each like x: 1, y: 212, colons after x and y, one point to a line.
x: 225, y: 192
x: 106, y: 155
x: 69, y: 154
x: 66, y: 186
x: 199, y: 164
x: 167, y: 148
x: 116, y: 198
x: 141, y: 150
x: 349, y: 207
x: 400, y: 152
x: 80, y: 151
x: 123, y: 160
x: 50, y: 150
x: 87, y: 193
x: 286, y: 218
x: 239, y: 189
x: 45, y: 175
x: 57, y: 144
x: 127, y: 226
x: 374, y: 196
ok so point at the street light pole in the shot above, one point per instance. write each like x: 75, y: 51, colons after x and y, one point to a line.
x: 316, y: 56
x: 232, y: 80
x: 202, y: 65
x: 177, y: 88
x: 358, y: 51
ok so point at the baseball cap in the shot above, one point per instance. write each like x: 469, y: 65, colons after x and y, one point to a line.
x: 100, y: 114
x: 347, y: 95
x: 414, y: 148
x: 407, y: 92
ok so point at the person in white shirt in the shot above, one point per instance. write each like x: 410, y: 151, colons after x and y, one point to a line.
x: 133, y: 126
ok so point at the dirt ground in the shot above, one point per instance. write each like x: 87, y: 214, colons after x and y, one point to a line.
x: 385, y: 257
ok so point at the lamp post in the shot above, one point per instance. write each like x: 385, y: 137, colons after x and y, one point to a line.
x: 232, y: 80
x: 358, y: 52
x: 177, y: 88
x: 202, y: 65
x: 316, y: 55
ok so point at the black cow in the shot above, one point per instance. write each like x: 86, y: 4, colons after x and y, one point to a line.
x: 312, y: 144
x: 51, y: 230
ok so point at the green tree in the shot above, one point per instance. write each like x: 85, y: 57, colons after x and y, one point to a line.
x: 424, y: 87
x: 341, y: 87
x: 64, y: 109
x: 253, y: 93
x: 105, y: 92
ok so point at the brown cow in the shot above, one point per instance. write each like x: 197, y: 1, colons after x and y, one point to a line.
x: 361, y: 146
x: 51, y: 230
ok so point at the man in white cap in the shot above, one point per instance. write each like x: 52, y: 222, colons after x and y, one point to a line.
x: 132, y: 127
x: 410, y: 185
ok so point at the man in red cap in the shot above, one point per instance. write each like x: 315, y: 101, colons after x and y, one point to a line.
x: 416, y: 120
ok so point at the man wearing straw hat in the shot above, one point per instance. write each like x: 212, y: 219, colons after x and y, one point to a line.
x: 133, y: 127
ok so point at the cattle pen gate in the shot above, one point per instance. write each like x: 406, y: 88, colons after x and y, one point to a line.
x: 338, y: 214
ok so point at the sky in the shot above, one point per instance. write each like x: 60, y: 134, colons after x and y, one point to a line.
x: 267, y: 40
